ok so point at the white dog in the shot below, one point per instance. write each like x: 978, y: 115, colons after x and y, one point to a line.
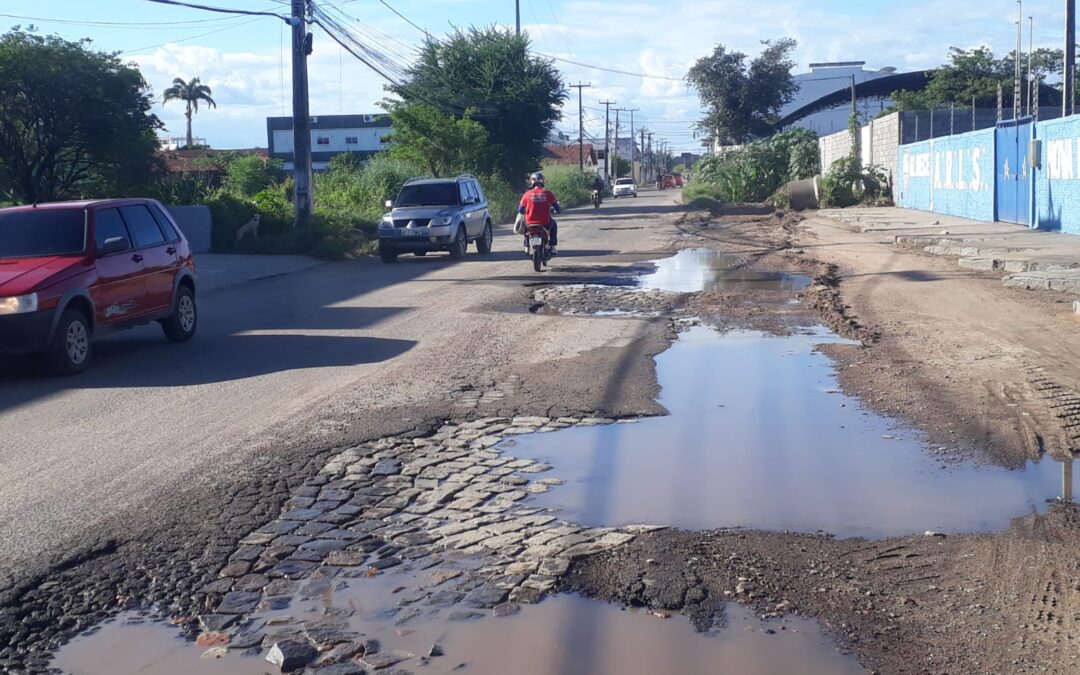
x: 250, y: 227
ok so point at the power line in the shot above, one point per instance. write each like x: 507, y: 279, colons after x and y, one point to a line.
x: 137, y: 25
x: 190, y: 37
x: 220, y: 10
x: 645, y: 76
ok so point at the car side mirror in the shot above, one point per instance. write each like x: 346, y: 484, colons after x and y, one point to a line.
x: 113, y: 245
x: 389, y: 203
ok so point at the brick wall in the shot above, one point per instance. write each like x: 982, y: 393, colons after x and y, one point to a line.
x: 952, y: 175
x: 1057, y: 181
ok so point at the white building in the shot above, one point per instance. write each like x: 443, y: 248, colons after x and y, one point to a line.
x: 827, y: 78
x: 330, y: 135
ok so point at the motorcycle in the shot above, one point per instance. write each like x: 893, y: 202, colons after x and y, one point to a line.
x: 596, y: 199
x: 539, y: 249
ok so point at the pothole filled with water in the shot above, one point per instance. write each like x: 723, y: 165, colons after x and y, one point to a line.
x: 701, y: 269
x: 565, y: 634
x: 759, y: 436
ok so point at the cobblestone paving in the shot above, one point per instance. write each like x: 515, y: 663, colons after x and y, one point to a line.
x: 405, y: 504
x: 609, y: 300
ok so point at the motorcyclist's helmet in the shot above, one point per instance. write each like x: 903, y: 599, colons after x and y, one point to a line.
x: 537, y: 179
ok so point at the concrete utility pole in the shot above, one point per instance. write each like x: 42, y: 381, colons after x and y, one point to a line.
x: 633, y: 143
x: 517, y: 16
x: 652, y: 157
x: 1031, y: 54
x: 1069, y: 85
x: 615, y: 164
x: 641, y: 171
x: 581, y: 125
x: 607, y: 139
x: 1018, y: 106
x: 301, y: 47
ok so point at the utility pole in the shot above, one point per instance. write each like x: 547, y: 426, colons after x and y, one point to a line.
x: 517, y: 16
x: 641, y: 171
x: 607, y: 139
x: 301, y: 47
x: 581, y: 125
x: 1018, y: 106
x: 633, y: 143
x: 1069, y: 87
x: 1031, y: 54
x: 652, y: 157
x: 615, y: 164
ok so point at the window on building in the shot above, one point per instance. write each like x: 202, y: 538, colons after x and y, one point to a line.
x: 323, y: 140
x: 351, y: 140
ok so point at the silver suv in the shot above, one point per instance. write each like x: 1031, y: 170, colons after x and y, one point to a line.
x: 440, y: 214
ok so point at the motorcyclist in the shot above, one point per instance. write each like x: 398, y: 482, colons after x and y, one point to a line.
x: 598, y: 185
x: 536, y: 206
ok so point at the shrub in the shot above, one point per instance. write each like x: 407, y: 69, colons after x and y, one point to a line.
x: 247, y: 175
x: 502, y: 199
x: 755, y: 171
x: 847, y: 184
x: 570, y: 184
x: 702, y: 196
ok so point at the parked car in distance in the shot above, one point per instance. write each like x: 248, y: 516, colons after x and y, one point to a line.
x: 678, y: 178
x: 70, y: 271
x: 624, y: 187
x: 442, y: 214
x: 667, y: 180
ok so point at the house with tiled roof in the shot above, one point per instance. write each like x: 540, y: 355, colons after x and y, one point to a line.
x: 570, y: 155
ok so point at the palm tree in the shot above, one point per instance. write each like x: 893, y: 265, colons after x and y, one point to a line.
x: 191, y: 93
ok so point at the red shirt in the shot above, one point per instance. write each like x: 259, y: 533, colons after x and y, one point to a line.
x: 536, y: 204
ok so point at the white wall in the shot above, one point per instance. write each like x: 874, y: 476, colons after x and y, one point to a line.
x: 368, y: 139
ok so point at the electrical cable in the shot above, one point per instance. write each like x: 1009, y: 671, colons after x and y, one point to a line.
x: 220, y: 10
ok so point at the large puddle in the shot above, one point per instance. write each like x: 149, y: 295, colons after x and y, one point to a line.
x: 701, y: 269
x: 760, y: 437
x: 564, y: 635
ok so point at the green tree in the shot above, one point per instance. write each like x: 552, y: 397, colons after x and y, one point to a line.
x: 621, y: 166
x: 975, y: 75
x: 190, y: 93
x: 743, y: 100
x: 72, y: 120
x: 488, y: 75
x: 443, y: 144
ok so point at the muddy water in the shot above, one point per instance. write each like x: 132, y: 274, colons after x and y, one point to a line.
x: 564, y: 635
x: 759, y: 436
x: 701, y: 269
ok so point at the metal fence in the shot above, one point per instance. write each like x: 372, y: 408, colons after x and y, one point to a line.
x: 922, y: 125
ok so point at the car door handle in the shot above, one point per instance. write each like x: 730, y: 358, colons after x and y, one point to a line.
x: 171, y: 250
x: 136, y: 258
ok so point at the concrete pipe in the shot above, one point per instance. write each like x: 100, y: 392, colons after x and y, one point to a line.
x: 805, y: 194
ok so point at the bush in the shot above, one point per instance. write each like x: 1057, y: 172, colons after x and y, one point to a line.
x: 357, y: 193
x: 570, y: 184
x: 848, y: 184
x: 702, y: 196
x: 502, y: 199
x: 754, y: 172
x: 247, y: 175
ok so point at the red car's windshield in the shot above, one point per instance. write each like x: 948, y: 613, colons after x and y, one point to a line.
x: 27, y: 234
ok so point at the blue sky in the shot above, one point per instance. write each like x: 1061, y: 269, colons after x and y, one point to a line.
x: 245, y: 59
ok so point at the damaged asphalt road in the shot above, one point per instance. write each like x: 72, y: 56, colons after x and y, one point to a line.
x: 402, y: 457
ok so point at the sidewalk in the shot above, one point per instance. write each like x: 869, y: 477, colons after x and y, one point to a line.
x: 1033, y: 259
x: 219, y: 270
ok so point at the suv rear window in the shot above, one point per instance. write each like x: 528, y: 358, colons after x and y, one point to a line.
x: 625, y: 181
x: 26, y: 234
x: 428, y: 194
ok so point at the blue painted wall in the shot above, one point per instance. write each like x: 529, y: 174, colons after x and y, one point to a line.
x: 953, y: 175
x: 1057, y: 181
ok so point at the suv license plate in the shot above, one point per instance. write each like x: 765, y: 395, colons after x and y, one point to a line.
x: 535, y: 241
x: 410, y: 232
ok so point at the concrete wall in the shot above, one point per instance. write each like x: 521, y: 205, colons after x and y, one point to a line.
x: 1057, y: 181
x: 833, y: 147
x: 194, y: 222
x: 880, y: 140
x: 952, y: 175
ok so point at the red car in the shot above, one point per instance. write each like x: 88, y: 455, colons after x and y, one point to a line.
x: 72, y: 270
x: 677, y: 177
x: 667, y: 180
